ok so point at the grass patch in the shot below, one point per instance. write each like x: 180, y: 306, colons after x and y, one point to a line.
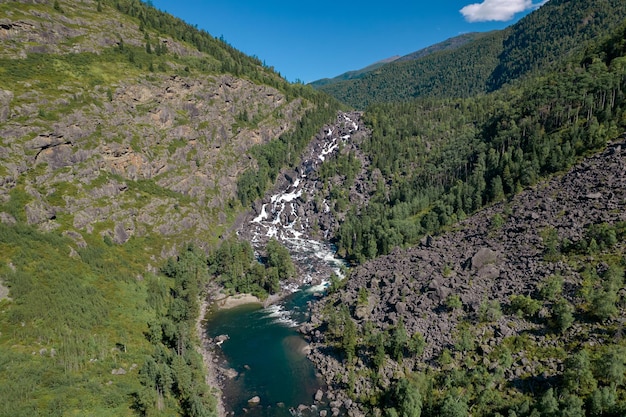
x: 15, y: 206
x: 72, y: 321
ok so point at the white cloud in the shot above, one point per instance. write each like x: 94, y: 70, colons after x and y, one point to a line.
x: 500, y: 10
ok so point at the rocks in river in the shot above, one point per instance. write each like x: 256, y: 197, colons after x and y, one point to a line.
x: 298, y: 206
x: 230, y: 373
x: 319, y: 395
x: 254, y: 400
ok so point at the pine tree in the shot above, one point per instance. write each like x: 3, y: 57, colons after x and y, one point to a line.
x: 407, y: 398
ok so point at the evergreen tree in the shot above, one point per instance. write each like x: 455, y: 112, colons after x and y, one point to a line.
x: 408, y: 399
x: 454, y: 405
x: 578, y: 377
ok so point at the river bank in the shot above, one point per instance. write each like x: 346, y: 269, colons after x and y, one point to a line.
x: 210, y: 363
x: 236, y: 301
x: 216, y: 369
x: 215, y: 374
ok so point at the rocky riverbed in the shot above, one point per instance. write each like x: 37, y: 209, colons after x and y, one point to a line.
x: 297, y: 211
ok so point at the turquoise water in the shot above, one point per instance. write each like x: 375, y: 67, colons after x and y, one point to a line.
x: 267, y: 351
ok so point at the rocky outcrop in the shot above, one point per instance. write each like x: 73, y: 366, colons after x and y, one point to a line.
x: 5, y: 102
x: 481, y: 261
x: 115, y: 148
x: 82, y: 28
x: 151, y: 160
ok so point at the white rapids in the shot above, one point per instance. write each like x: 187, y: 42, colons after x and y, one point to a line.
x: 283, y: 217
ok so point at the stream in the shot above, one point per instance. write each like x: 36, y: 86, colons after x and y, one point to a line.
x: 263, y: 344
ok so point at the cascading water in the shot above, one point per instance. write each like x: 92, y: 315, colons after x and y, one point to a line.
x: 283, y: 216
x: 263, y: 345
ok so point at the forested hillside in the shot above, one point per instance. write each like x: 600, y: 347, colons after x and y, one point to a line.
x: 533, y: 44
x: 437, y: 160
x: 516, y: 311
x: 489, y: 257
x: 447, y: 45
x: 123, y: 131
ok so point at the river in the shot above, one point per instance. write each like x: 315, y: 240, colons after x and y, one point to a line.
x: 263, y: 344
x: 269, y: 354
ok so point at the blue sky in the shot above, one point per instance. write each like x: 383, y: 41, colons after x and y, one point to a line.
x: 308, y: 40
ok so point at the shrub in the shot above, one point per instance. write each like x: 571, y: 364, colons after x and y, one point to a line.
x: 453, y: 302
x: 562, y: 315
x: 524, y: 306
x: 489, y: 311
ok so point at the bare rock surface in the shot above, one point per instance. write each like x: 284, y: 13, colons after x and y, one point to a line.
x: 161, y: 157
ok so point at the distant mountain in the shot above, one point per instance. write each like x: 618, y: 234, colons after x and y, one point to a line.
x: 536, y: 42
x: 350, y: 75
x: 448, y: 44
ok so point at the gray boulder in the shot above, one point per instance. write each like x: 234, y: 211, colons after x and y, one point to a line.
x: 5, y: 101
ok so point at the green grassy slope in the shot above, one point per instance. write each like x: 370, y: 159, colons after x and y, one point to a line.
x: 123, y: 131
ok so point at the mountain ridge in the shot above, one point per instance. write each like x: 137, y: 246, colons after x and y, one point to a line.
x: 448, y: 44
x: 354, y: 74
x: 487, y: 63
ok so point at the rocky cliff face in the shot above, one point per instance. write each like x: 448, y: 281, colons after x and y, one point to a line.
x: 92, y: 144
x: 503, y: 251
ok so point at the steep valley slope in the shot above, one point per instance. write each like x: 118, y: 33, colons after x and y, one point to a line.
x: 97, y: 134
x: 131, y: 143
x: 123, y: 131
x: 477, y: 300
